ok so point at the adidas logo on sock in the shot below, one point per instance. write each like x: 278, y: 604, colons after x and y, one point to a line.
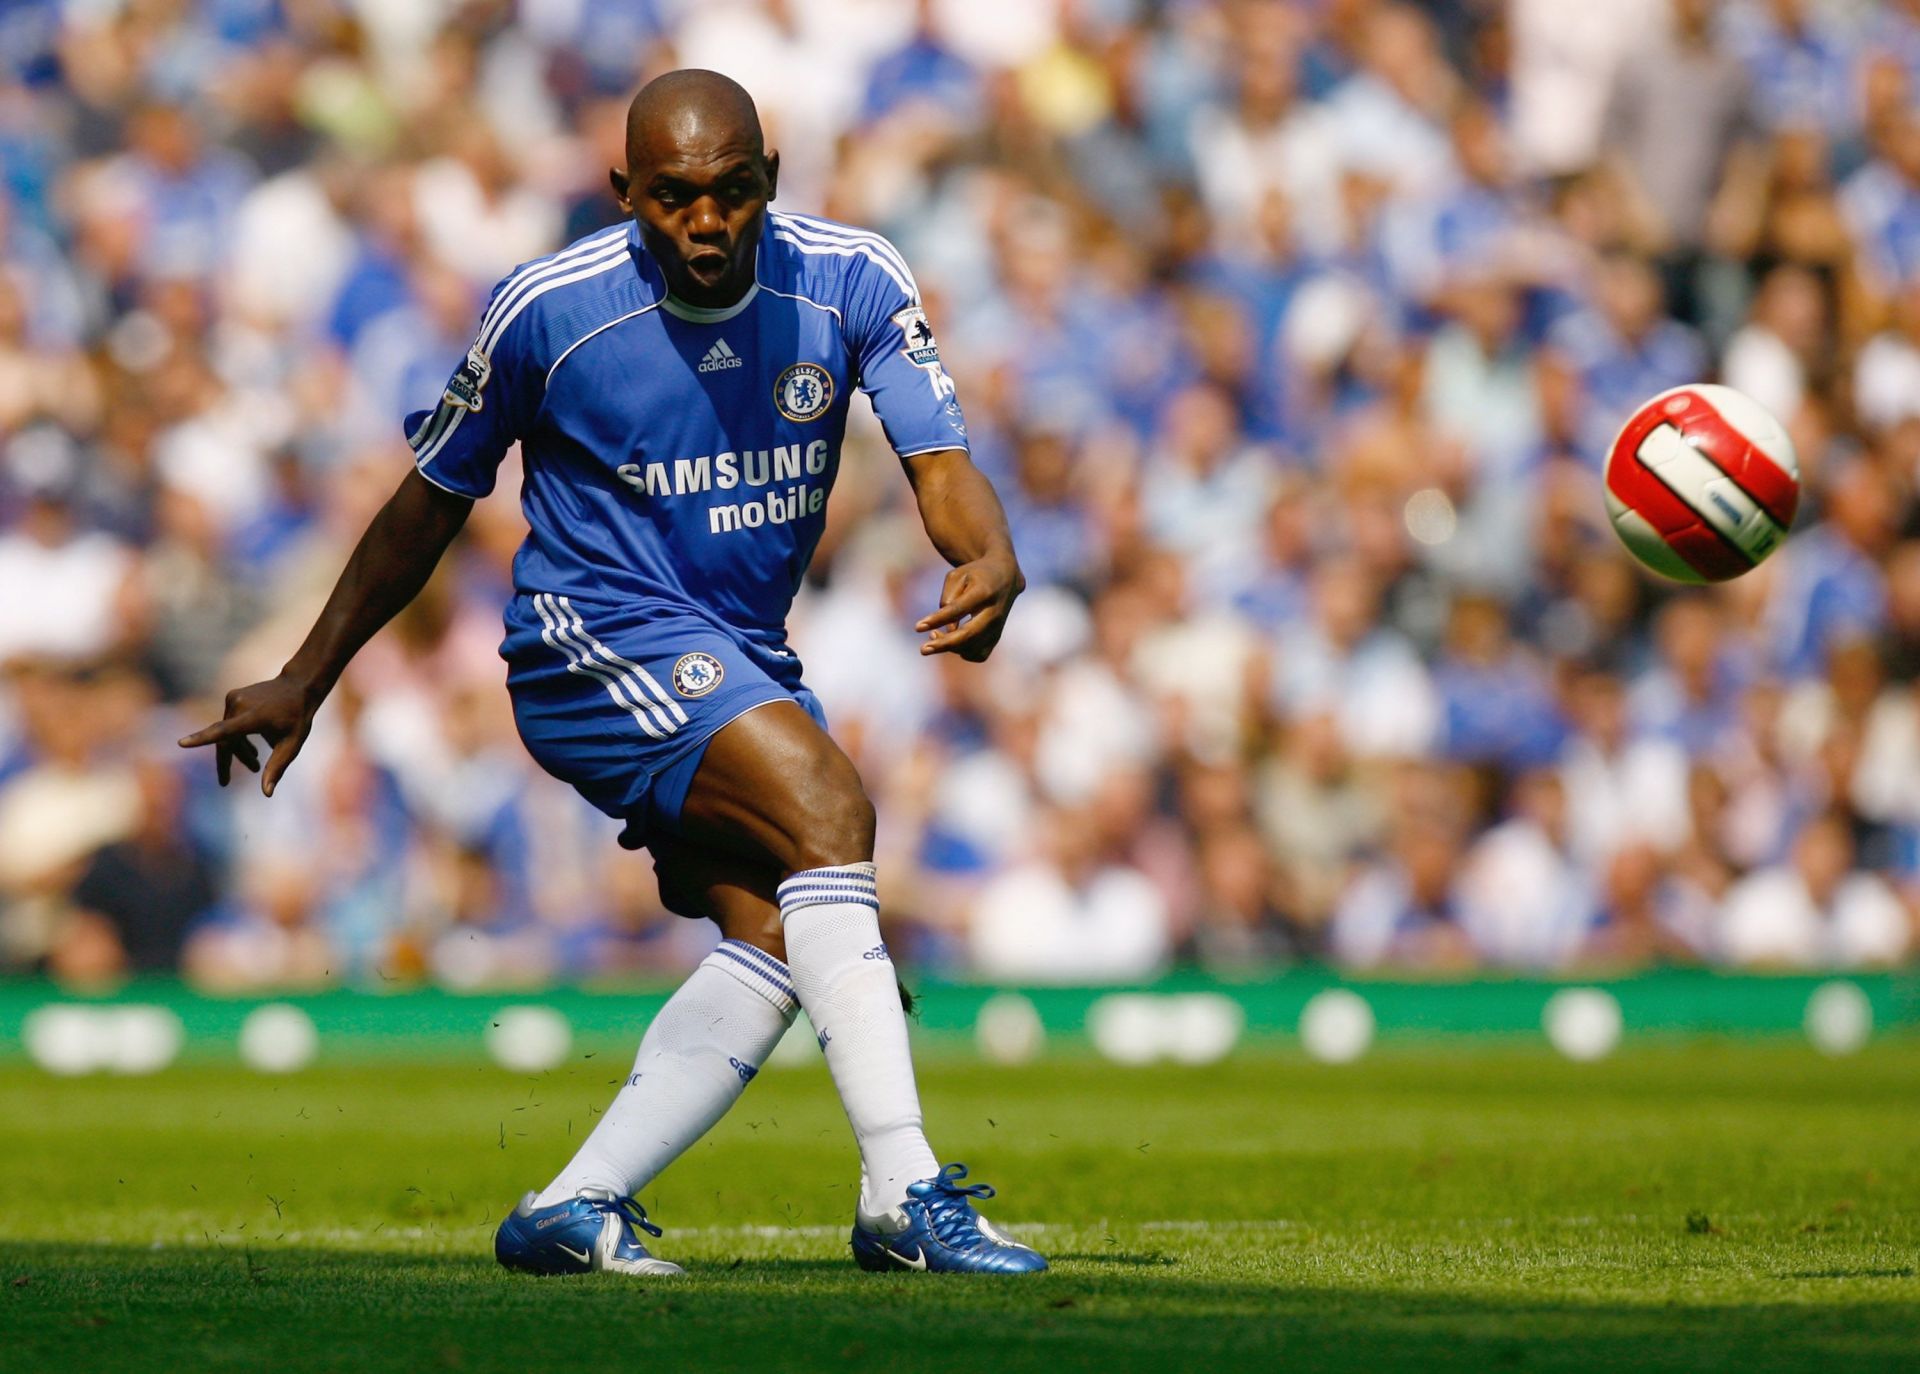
x: 720, y: 357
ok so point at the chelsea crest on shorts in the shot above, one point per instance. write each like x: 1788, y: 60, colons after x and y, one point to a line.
x: 697, y: 674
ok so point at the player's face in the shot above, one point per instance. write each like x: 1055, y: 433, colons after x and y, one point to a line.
x: 699, y: 200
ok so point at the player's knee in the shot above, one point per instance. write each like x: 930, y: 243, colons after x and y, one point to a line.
x: 835, y: 823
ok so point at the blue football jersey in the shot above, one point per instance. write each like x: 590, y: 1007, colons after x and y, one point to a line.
x: 680, y: 454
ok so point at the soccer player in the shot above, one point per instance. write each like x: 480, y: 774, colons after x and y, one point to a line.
x: 679, y: 388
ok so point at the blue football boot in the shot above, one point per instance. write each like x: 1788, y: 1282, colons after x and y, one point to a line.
x: 594, y: 1231
x: 937, y: 1231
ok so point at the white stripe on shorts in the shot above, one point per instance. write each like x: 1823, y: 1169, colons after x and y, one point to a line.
x: 555, y: 634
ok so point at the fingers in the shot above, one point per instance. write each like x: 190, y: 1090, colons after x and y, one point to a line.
x: 227, y: 750
x: 229, y: 738
x: 283, y: 754
x: 276, y: 711
x: 219, y: 730
x: 961, y: 601
x: 972, y: 641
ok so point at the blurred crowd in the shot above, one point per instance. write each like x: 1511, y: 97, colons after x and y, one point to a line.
x: 1292, y: 331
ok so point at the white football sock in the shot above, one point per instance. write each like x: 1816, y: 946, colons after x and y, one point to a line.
x: 695, y: 1060
x: 846, y: 982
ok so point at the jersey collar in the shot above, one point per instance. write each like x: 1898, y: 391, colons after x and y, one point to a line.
x: 674, y: 306
x: 650, y: 272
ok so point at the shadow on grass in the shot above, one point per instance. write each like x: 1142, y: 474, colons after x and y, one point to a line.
x: 295, y: 1308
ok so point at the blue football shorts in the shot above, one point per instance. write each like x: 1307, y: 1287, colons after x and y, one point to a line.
x: 619, y: 700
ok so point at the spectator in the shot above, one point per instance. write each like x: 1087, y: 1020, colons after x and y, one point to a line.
x: 924, y: 76
x: 1800, y: 56
x: 1390, y: 115
x: 1621, y: 350
x: 1270, y: 142
x: 1242, y: 924
x: 1367, y: 675
x: 1680, y: 120
x: 1524, y: 902
x: 1779, y: 353
x: 1403, y: 910
x: 1319, y: 810
x: 1496, y: 704
x: 138, y: 897
x: 1882, y: 207
x: 82, y: 580
x: 1831, y: 587
x: 1886, y: 387
x: 1619, y: 789
x: 1689, y: 694
x: 1070, y: 915
x: 1564, y: 63
x: 269, y: 938
x: 1815, y: 912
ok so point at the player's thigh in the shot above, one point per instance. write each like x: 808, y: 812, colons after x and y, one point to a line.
x: 773, y: 784
x: 735, y: 893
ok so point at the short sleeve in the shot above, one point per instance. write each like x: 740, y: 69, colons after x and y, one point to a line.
x: 899, y: 360
x: 482, y: 411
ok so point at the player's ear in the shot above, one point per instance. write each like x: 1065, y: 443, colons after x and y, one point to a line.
x: 621, y: 187
x: 773, y: 174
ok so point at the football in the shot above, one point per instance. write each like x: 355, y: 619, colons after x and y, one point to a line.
x: 1702, y: 483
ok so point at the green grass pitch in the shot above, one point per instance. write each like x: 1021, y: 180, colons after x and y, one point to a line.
x: 1738, y: 1206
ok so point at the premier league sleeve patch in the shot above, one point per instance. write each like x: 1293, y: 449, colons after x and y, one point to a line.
x: 696, y: 674
x: 921, y: 350
x: 469, y: 380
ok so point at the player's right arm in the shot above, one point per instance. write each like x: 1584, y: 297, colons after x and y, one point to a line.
x: 388, y: 568
x: 457, y: 447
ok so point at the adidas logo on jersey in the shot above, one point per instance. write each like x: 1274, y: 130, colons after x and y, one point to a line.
x: 719, y: 358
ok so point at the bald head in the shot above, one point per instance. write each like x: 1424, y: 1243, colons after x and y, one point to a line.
x: 690, y: 106
x: 697, y: 181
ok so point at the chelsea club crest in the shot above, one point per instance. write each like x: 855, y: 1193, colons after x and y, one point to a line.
x: 804, y: 392
x: 697, y: 674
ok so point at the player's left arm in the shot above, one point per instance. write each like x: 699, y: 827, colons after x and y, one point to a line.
x: 900, y: 370
x: 964, y: 518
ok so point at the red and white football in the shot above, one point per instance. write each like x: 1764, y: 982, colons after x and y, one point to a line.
x: 1702, y: 483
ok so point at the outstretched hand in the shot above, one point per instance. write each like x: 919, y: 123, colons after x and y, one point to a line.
x: 280, y: 710
x: 973, y: 609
